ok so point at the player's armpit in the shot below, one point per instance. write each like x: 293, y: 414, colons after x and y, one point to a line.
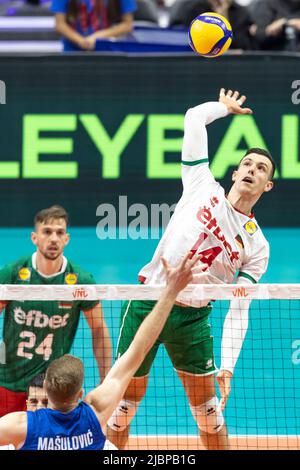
x: 13, y: 429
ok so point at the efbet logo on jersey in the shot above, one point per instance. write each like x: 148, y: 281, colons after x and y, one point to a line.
x: 205, y: 216
x: 24, y: 274
x: 71, y: 279
x: 38, y: 319
x: 250, y: 227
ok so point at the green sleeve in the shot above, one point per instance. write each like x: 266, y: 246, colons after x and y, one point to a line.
x: 6, y: 274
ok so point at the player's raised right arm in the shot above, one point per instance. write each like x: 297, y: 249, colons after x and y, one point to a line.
x: 195, y: 147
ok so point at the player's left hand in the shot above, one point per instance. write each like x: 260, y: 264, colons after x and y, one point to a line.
x: 234, y: 102
x: 224, y: 378
x: 181, y: 275
x: 185, y: 272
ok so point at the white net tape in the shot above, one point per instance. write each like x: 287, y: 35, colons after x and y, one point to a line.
x: 150, y: 292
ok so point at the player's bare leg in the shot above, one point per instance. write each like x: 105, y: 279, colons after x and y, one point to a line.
x: 119, y: 439
x: 134, y: 393
x: 200, y: 390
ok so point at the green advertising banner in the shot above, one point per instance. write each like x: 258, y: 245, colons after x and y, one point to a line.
x: 87, y: 130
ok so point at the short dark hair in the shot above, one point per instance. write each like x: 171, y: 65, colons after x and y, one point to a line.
x: 53, y: 212
x: 265, y: 153
x: 64, y: 378
x: 36, y: 381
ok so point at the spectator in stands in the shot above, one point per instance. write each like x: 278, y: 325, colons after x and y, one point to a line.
x: 82, y: 22
x: 277, y: 24
x: 238, y: 16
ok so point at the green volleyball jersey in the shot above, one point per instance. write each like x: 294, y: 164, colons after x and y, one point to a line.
x: 37, y: 332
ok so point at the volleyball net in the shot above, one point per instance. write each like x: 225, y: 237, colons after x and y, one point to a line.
x: 263, y: 410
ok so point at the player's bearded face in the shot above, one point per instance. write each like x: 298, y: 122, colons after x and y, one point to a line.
x: 51, y: 238
x: 252, y: 178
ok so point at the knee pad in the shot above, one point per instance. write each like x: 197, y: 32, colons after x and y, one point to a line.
x: 109, y: 446
x: 207, y: 416
x: 123, y: 415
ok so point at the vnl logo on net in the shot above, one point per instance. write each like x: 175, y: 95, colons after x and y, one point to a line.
x: 2, y: 92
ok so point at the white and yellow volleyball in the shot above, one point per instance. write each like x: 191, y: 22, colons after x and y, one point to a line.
x: 210, y: 34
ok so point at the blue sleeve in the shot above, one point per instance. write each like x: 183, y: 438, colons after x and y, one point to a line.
x: 128, y: 6
x: 59, y: 6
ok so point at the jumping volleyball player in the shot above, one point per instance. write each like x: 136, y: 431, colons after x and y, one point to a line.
x: 224, y: 231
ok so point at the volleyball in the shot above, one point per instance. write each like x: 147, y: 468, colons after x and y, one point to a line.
x: 210, y: 34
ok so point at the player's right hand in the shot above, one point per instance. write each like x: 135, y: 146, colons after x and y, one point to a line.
x: 234, y: 102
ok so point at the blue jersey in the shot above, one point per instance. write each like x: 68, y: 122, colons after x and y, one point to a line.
x: 52, y: 430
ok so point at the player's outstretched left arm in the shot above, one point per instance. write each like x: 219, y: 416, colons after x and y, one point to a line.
x: 105, y: 398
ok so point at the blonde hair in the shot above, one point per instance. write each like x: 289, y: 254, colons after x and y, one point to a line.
x: 64, y: 378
